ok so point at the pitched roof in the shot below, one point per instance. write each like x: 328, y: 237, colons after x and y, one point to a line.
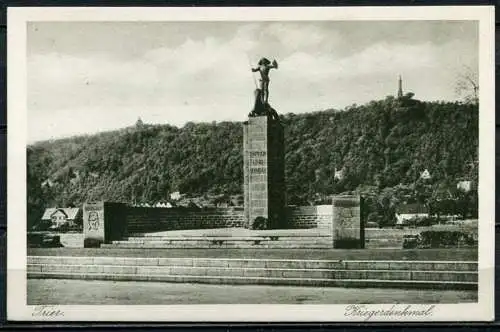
x: 412, y: 208
x: 48, y: 212
x: 71, y: 213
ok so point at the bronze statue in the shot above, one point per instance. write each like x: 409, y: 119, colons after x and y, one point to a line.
x: 264, y: 66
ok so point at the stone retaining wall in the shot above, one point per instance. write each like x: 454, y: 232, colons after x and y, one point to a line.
x: 144, y: 219
x: 329, y: 219
x: 319, y: 216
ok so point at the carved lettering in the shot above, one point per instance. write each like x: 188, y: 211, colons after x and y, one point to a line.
x: 258, y: 170
x: 258, y: 178
x: 257, y: 153
x: 257, y: 162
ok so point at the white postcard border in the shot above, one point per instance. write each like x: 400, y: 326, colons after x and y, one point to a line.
x: 17, y: 309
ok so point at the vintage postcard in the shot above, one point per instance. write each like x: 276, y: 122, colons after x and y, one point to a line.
x: 251, y: 164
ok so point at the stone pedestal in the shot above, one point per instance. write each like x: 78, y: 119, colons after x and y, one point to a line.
x: 264, y: 171
x: 348, y: 228
x: 103, y: 222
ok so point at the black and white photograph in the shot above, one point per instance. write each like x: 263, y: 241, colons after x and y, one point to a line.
x: 221, y: 164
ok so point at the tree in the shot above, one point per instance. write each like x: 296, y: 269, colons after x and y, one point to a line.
x: 467, y: 85
x: 387, y: 202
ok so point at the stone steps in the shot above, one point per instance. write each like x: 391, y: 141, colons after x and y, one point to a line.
x: 260, y: 263
x: 461, y: 276
x: 214, y: 246
x: 231, y: 238
x: 236, y: 241
x: 346, y: 283
x: 405, y: 274
x: 208, y: 242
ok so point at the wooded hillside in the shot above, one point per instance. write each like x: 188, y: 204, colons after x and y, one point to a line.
x: 383, y: 144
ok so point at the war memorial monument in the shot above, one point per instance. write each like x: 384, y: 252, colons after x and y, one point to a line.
x: 265, y: 242
x: 264, y: 191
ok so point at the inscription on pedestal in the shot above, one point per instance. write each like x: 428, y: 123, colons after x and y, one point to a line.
x: 263, y: 155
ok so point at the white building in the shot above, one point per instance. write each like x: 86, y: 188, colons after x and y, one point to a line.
x: 61, y: 216
x: 425, y: 175
x: 175, y: 196
x: 406, y: 212
x: 339, y: 174
x: 465, y: 185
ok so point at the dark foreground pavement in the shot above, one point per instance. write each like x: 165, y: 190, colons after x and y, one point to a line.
x: 85, y: 292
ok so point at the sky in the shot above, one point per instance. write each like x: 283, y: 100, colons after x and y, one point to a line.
x: 88, y: 77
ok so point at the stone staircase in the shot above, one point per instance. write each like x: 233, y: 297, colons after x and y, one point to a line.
x: 319, y: 273
x: 209, y: 242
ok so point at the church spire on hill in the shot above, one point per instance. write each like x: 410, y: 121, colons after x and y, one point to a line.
x: 400, y: 87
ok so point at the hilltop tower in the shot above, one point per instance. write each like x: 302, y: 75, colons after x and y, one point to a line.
x: 400, y: 87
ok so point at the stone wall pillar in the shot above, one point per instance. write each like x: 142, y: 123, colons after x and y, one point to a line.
x: 103, y: 222
x: 348, y: 228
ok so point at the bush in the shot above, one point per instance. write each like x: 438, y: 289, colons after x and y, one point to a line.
x: 410, y: 241
x: 62, y: 228
x: 259, y: 223
x: 440, y: 239
x: 42, y: 225
x: 428, y: 221
x: 43, y: 240
x: 423, y: 221
x: 373, y: 217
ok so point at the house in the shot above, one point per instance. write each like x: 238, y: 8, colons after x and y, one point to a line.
x: 61, y: 216
x: 339, y: 174
x: 176, y: 196
x: 165, y: 204
x: 425, y: 175
x: 223, y: 205
x: 465, y: 185
x: 406, y: 212
x: 47, y: 183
